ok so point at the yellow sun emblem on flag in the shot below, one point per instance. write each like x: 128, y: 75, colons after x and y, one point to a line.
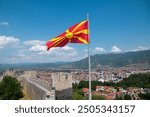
x: 69, y: 35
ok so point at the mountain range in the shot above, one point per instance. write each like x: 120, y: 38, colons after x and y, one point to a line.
x: 113, y: 60
x: 98, y: 60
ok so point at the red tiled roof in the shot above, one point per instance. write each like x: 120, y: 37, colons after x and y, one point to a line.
x: 109, y: 98
x: 106, y: 87
x: 96, y: 93
x: 118, y: 93
x: 108, y: 91
x: 112, y: 94
x: 97, y: 87
x: 85, y: 90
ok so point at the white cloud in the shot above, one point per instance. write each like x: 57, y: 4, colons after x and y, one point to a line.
x: 38, y: 48
x: 140, y: 48
x: 65, y: 53
x: 67, y: 48
x: 8, y: 40
x: 115, y: 49
x: 4, y: 24
x: 99, y: 50
x: 57, y: 51
x: 62, y: 49
x: 36, y: 51
x: 34, y: 42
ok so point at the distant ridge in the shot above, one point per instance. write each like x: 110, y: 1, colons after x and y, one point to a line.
x: 98, y: 60
x: 113, y: 60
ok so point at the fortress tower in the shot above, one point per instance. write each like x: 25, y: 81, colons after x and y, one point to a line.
x: 10, y: 72
x: 63, y: 85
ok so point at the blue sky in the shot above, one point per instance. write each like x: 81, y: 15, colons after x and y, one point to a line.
x: 26, y: 25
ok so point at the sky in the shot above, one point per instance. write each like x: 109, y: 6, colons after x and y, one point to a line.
x: 115, y: 26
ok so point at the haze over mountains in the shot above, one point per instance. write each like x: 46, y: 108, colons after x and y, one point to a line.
x: 110, y: 59
x: 114, y: 60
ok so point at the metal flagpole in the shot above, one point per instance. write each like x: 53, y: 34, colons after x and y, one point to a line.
x: 89, y: 57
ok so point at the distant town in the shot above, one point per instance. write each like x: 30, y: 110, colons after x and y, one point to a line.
x: 57, y: 84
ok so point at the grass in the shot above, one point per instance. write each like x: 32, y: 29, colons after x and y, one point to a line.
x: 26, y: 95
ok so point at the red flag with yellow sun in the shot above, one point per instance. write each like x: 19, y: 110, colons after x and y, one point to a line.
x: 77, y: 33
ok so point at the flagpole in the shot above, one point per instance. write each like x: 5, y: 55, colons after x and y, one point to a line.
x: 89, y: 59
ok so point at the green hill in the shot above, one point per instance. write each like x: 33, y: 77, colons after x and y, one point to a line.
x: 110, y: 59
x: 113, y: 60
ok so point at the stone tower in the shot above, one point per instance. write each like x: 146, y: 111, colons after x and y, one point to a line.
x: 10, y: 72
x: 63, y: 85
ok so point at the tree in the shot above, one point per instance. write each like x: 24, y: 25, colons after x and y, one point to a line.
x: 118, y: 97
x: 136, y: 80
x: 77, y: 96
x: 83, y: 84
x: 10, y: 89
x: 96, y: 97
x: 127, y: 97
x: 75, y: 86
x: 117, y: 89
x: 144, y: 96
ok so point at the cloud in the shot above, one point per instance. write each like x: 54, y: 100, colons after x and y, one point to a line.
x: 55, y: 54
x: 67, y: 48
x: 8, y: 40
x: 4, y: 24
x: 57, y: 51
x: 115, y: 49
x: 65, y: 53
x: 36, y: 51
x: 140, y: 48
x: 38, y: 48
x: 99, y: 50
x: 34, y: 42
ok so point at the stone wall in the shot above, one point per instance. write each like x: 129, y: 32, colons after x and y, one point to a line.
x: 33, y: 90
x: 39, y: 89
x: 63, y: 85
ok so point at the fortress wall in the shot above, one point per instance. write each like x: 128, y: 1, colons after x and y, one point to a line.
x: 61, y: 81
x: 63, y: 85
x: 36, y: 92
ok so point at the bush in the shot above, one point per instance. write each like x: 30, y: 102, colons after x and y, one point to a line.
x: 127, y: 97
x: 95, y: 97
x: 10, y: 89
x: 77, y: 96
x: 145, y: 96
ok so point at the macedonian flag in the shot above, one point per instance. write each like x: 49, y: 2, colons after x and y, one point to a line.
x: 77, y: 33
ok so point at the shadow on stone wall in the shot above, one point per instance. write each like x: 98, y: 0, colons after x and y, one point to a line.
x: 65, y: 94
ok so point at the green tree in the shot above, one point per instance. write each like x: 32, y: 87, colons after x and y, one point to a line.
x: 83, y: 84
x: 116, y: 88
x: 10, y: 89
x: 96, y: 97
x: 127, y: 97
x: 79, y: 91
x: 145, y: 96
x: 118, y: 97
x: 77, y: 96
x: 75, y: 86
x: 136, y: 80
